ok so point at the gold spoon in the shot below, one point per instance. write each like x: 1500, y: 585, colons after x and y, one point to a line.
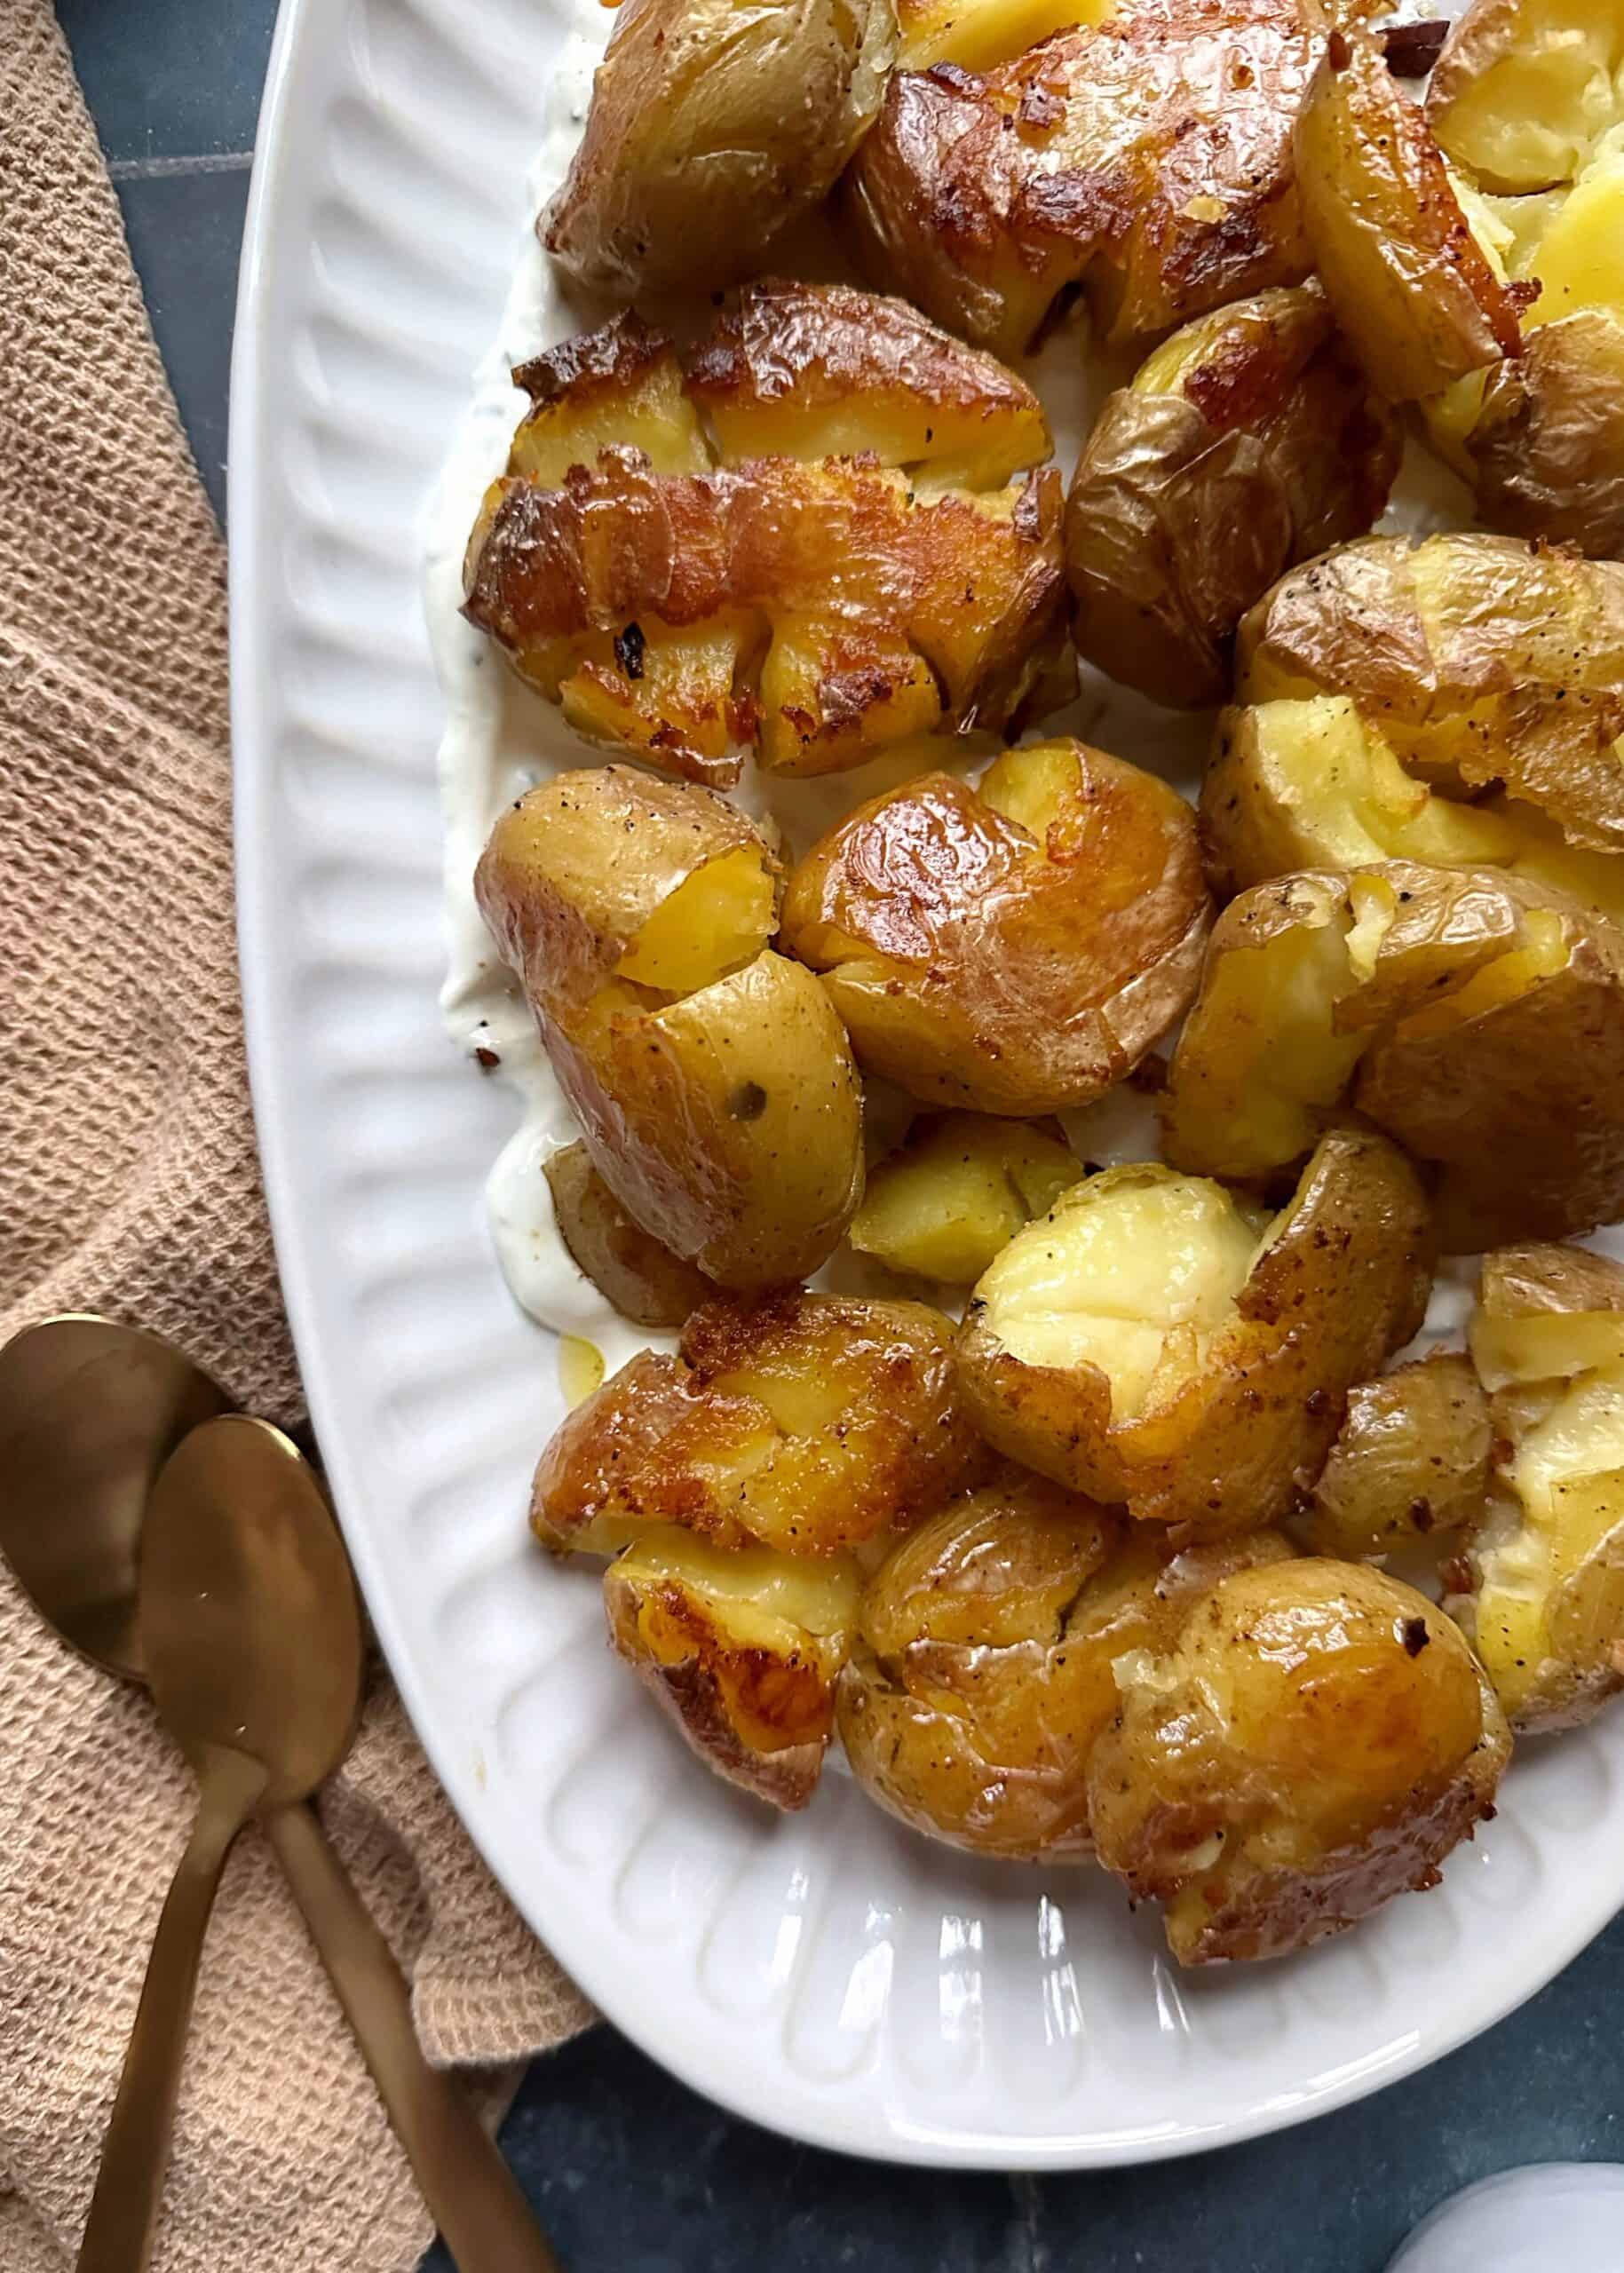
x: 250, y: 1631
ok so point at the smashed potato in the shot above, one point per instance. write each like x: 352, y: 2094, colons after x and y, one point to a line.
x: 860, y: 558
x: 1148, y: 159
x: 634, y: 1271
x: 1475, y: 1017
x: 1156, y: 1342
x: 1249, y: 441
x: 742, y: 1648
x: 1017, y: 948
x: 1545, y: 1607
x: 978, y: 34
x: 1407, y: 278
x: 958, y: 1190
x: 712, y: 1077
x: 1483, y: 660
x: 1318, y: 1740
x: 981, y: 1674
x: 809, y: 1424
x: 1411, y: 1461
x: 712, y: 126
x: 1314, y: 785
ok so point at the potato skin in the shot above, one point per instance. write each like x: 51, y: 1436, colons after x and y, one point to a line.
x: 1343, y: 1284
x: 711, y: 129
x: 1327, y: 1728
x: 1481, y: 655
x: 638, y: 1273
x: 981, y: 1677
x: 1148, y: 159
x: 872, y: 1432
x: 976, y: 967
x: 1547, y: 447
x: 1410, y: 1460
x: 726, y: 1122
x: 1405, y: 278
x: 1188, y: 503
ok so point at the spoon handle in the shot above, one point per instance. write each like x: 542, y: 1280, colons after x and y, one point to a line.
x: 136, y: 2150
x: 471, y: 2194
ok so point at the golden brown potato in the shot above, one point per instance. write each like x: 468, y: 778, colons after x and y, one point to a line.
x: 1017, y: 948
x: 1316, y: 1742
x: 742, y: 1648
x: 978, y: 34
x: 628, y: 1265
x: 858, y: 560
x: 1148, y: 159
x: 1478, y: 1018
x: 806, y: 1423
x: 958, y: 1190
x: 1411, y: 1461
x: 712, y: 126
x: 1314, y: 785
x: 981, y: 1675
x: 1482, y: 659
x: 711, y: 1076
x: 1528, y: 101
x: 1544, y: 1603
x: 1406, y: 280
x: 1247, y: 442
x: 1155, y: 1342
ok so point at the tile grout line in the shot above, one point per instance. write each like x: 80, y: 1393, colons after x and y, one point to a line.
x: 219, y: 161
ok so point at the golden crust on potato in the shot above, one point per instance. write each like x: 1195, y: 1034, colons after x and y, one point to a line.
x: 805, y: 1422
x: 631, y: 1269
x: 712, y: 1081
x: 1148, y: 159
x: 1480, y: 657
x: 957, y: 1190
x: 1411, y: 1461
x: 1154, y: 1343
x: 1407, y: 280
x: 1478, y: 1019
x: 833, y: 575
x: 1319, y: 1739
x: 1249, y: 441
x: 710, y: 128
x: 1017, y: 948
x: 981, y: 1675
x: 742, y: 1648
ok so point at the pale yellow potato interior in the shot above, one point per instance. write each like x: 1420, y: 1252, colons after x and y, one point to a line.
x: 717, y: 921
x: 653, y: 414
x: 956, y: 1195
x: 1533, y: 118
x: 1134, y: 1271
x: 1578, y: 260
x: 979, y: 34
x: 1547, y: 1345
x: 1032, y: 786
x: 767, y: 1600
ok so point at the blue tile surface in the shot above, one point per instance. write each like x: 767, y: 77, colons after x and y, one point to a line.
x: 631, y: 2172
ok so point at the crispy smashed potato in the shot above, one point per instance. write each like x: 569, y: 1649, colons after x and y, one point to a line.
x: 860, y: 558
x: 978, y: 34
x: 1148, y: 159
x: 1249, y: 441
x: 1156, y: 1342
x: 712, y: 1077
x: 1314, y: 785
x: 712, y: 126
x: 958, y: 1190
x: 1412, y: 1461
x: 1482, y: 659
x: 1475, y: 1017
x: 809, y: 1424
x: 1318, y: 1740
x: 1017, y: 948
x: 634, y: 1271
x: 742, y: 1648
x: 981, y: 1674
x: 1407, y: 278
x: 1545, y: 1606
x: 1528, y: 101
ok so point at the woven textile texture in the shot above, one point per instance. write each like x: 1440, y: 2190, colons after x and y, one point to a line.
x: 128, y: 1184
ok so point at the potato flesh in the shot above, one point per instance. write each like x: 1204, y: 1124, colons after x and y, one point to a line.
x: 979, y: 34
x: 1531, y: 117
x: 717, y: 921
x: 1548, y: 1346
x: 1578, y: 262
x: 957, y: 1191
x: 1134, y: 1271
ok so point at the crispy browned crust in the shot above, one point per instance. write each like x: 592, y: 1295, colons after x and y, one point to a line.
x: 691, y: 1440
x: 634, y: 1271
x: 975, y: 968
x: 1187, y: 507
x: 592, y: 364
x: 1343, y: 1286
x: 1548, y: 446
x: 1098, y: 157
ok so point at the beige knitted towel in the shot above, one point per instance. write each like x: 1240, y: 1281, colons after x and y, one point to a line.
x: 128, y: 1183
